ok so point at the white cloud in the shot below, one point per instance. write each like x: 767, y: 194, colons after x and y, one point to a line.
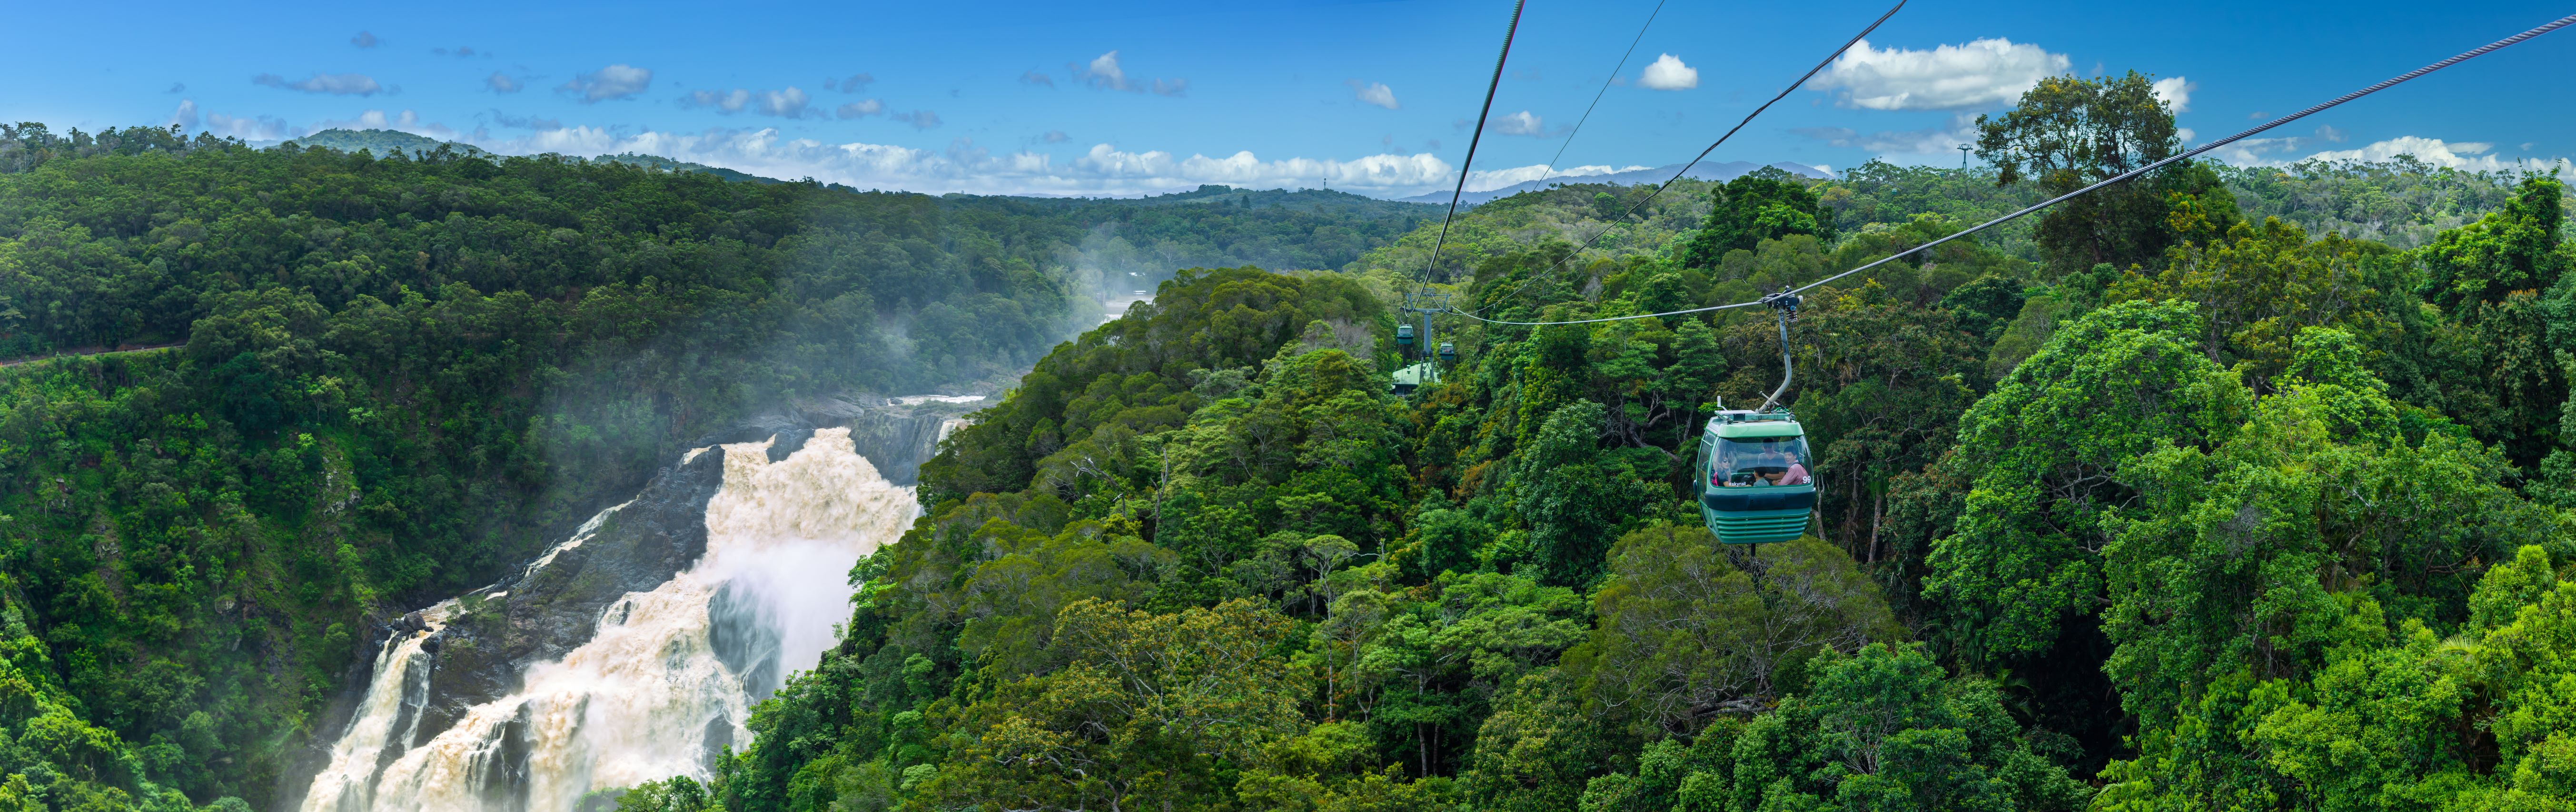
x: 1103, y: 72
x: 1055, y: 137
x: 185, y: 117
x: 1486, y: 180
x: 1103, y: 169
x: 406, y: 121
x: 1521, y: 123
x: 2175, y: 92
x: 260, y: 128
x: 1668, y: 73
x: 2469, y: 155
x: 732, y: 101
x: 2329, y: 133
x: 1984, y: 73
x: 613, y: 82
x: 336, y: 84
x: 500, y: 82
x: 860, y: 108
x: 857, y: 82
x: 1376, y: 93
x: 789, y: 103
x: 2472, y: 156
x: 919, y: 119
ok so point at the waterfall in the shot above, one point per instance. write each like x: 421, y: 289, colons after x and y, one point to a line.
x: 667, y: 676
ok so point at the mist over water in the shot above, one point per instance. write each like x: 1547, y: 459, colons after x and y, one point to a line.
x: 667, y: 679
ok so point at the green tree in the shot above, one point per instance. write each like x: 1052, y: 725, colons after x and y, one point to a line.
x: 2044, y: 453
x: 2068, y: 133
x: 1765, y: 204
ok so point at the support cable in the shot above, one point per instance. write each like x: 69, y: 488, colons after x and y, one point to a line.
x: 1472, y: 140
x: 1615, y: 70
x: 1713, y: 145
x: 2392, y: 82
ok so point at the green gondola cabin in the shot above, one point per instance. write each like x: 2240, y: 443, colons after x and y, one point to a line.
x: 1756, y: 480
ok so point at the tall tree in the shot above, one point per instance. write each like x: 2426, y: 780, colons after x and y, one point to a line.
x: 2068, y: 133
x: 1764, y: 204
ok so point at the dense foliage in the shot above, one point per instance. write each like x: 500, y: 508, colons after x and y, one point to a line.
x: 2233, y: 489
x: 391, y: 378
x: 2157, y: 506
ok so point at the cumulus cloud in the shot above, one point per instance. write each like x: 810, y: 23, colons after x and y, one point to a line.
x: 857, y: 82
x: 618, y: 81
x: 336, y: 84
x: 261, y: 128
x: 1486, y: 180
x: 364, y: 40
x: 2469, y: 155
x: 1521, y: 123
x: 1104, y: 73
x: 1376, y: 93
x: 860, y: 109
x: 2472, y: 156
x: 1981, y: 74
x: 919, y: 119
x: 788, y: 103
x: 185, y: 117
x: 724, y: 101
x: 500, y: 82
x: 2327, y: 132
x: 2175, y: 92
x: 1035, y: 78
x: 1668, y: 73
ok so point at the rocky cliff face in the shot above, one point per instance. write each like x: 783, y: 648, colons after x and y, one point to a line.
x: 482, y: 643
x: 554, y: 604
x: 898, y: 434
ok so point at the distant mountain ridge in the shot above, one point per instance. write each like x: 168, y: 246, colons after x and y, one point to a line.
x: 390, y: 142
x: 1727, y: 171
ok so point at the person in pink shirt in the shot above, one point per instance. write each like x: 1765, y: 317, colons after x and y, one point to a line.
x: 1797, y: 474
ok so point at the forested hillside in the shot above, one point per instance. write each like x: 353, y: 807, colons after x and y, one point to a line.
x: 2159, y: 506
x: 391, y: 379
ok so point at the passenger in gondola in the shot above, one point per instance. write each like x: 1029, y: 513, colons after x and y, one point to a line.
x: 1721, y: 473
x: 1780, y: 468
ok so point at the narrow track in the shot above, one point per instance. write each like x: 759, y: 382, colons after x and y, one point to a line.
x: 91, y: 351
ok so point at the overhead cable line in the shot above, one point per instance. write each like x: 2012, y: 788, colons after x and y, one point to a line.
x: 1472, y: 140
x: 1713, y: 145
x: 2491, y: 47
x: 1605, y: 90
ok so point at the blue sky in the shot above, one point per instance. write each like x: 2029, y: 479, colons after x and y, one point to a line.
x: 1372, y: 97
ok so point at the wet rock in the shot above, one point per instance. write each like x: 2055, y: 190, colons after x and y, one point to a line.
x: 555, y: 605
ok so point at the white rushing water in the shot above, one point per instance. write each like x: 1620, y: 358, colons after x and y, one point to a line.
x: 668, y: 676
